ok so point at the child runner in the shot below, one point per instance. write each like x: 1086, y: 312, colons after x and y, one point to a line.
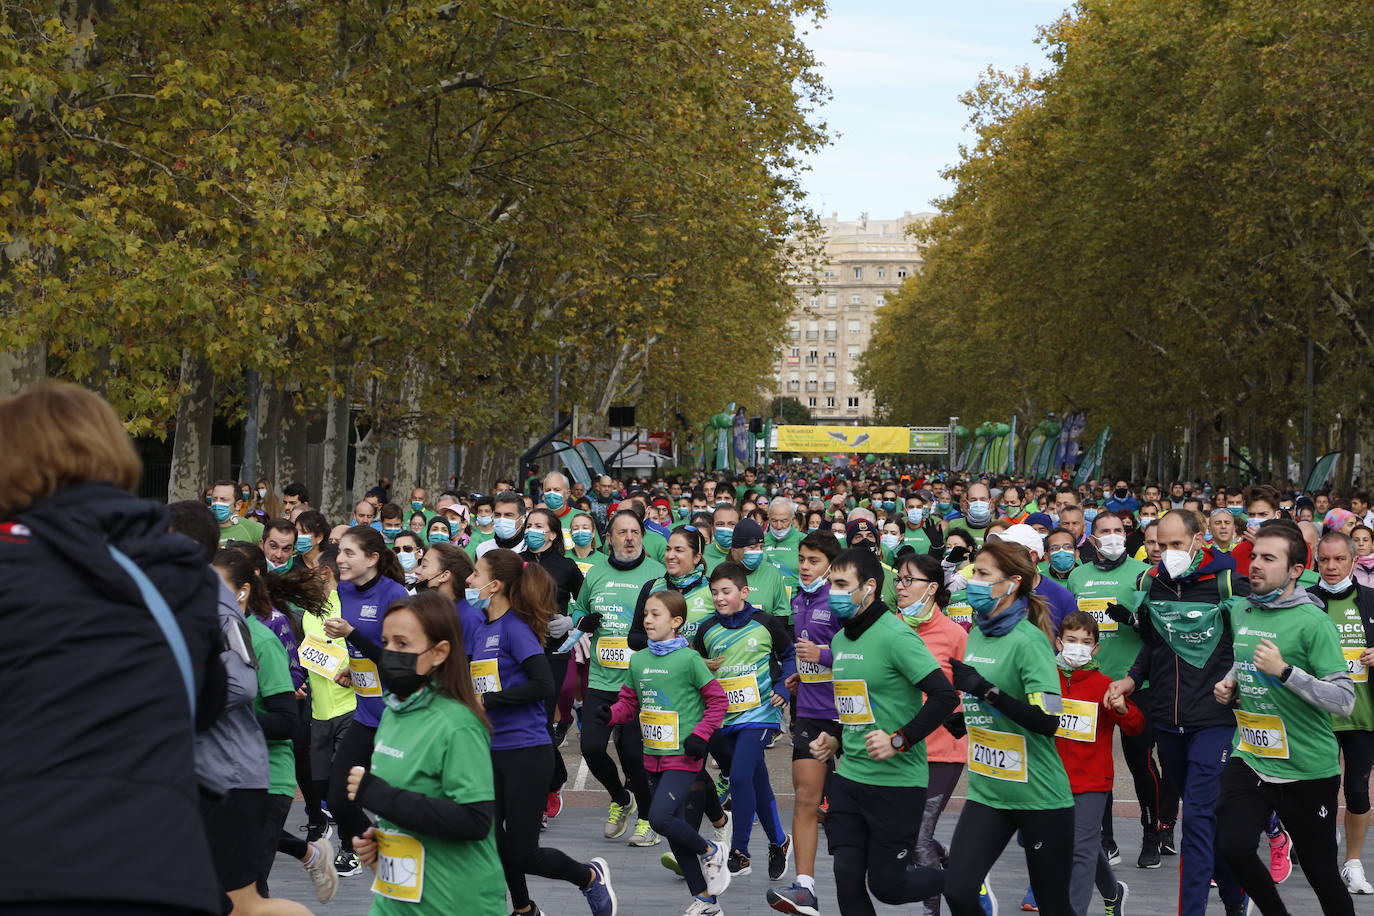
x: 679, y: 706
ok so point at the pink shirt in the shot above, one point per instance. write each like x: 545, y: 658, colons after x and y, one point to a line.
x: 945, y: 639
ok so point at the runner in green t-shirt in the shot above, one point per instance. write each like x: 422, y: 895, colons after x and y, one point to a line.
x: 724, y: 518
x: 1011, y: 708
x: 231, y: 526
x: 783, y: 537
x: 1288, y: 679
x: 878, y: 794
x: 1350, y: 605
x: 768, y: 589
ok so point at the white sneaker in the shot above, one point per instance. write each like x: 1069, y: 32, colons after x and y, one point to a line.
x: 644, y: 835
x: 721, y: 836
x: 702, y: 908
x: 1352, y: 873
x: 715, y: 867
x: 321, y: 871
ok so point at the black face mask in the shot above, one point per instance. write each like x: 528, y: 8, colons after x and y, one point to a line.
x: 1122, y: 492
x: 398, y: 673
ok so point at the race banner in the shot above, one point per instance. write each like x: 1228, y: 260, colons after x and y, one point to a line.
x: 860, y: 439
x: 1092, y: 461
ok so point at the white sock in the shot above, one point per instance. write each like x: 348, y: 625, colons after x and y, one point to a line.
x: 310, y: 859
x: 807, y: 882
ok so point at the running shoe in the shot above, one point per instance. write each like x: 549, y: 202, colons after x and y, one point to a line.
x: 560, y: 733
x: 669, y: 861
x: 699, y: 907
x: 554, y: 805
x: 1149, y: 851
x: 1028, y: 904
x: 618, y: 819
x: 600, y: 895
x: 319, y: 830
x: 1113, y: 854
x: 1352, y: 873
x: 1166, y: 840
x: 987, y: 899
x: 644, y: 835
x: 779, y: 857
x: 739, y: 864
x: 715, y: 866
x: 346, y: 863
x: 772, y: 740
x: 722, y: 788
x: 532, y: 911
x: 321, y: 870
x: 1280, y: 857
x: 1115, y: 905
x: 722, y: 833
x: 793, y: 899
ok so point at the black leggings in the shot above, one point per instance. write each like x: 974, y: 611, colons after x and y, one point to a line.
x: 1308, y: 811
x: 667, y: 815
x: 628, y: 747
x: 355, y: 750
x: 520, y: 776
x: 982, y: 834
x: 558, y: 663
x: 1357, y: 747
x: 300, y: 744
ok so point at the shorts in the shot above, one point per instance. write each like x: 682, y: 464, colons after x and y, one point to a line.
x: 235, y: 825
x: 805, y: 730
x: 277, y: 808
x: 325, y: 735
x: 883, y: 820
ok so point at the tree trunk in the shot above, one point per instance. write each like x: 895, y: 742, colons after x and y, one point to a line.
x: 22, y: 367
x: 291, y: 436
x: 252, y: 389
x: 367, y: 459
x: 407, y: 474
x: 191, y: 441
x: 334, y: 483
x: 269, y: 437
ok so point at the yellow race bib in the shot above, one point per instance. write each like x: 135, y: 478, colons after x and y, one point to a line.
x: 1097, y: 609
x: 658, y: 727
x: 1358, y: 672
x: 400, y: 866
x: 613, y: 652
x: 1261, y: 735
x: 997, y: 755
x: 1078, y: 721
x: 486, y: 676
x: 960, y: 613
x: 851, y: 702
x: 321, y: 656
x: 366, y: 683
x: 741, y: 693
x: 813, y: 672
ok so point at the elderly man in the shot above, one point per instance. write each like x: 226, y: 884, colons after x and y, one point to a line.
x: 558, y: 499
x: 782, y: 537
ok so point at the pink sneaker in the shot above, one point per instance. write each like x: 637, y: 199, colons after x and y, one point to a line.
x: 1280, y: 857
x: 553, y: 805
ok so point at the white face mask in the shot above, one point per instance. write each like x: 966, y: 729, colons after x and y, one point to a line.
x: 1176, y: 562
x: 1075, y: 655
x: 262, y: 492
x: 1111, y: 546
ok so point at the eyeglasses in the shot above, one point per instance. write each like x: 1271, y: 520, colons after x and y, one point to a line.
x: 408, y: 548
x: 908, y: 581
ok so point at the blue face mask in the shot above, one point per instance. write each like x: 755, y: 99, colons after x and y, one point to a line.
x: 842, y: 604
x: 815, y: 584
x: 582, y: 537
x: 725, y: 537
x: 473, y: 596
x: 416, y: 505
x: 752, y: 559
x: 979, y: 511
x: 980, y: 597
x: 505, y: 528
x: 408, y: 559
x: 390, y: 533
x: 222, y: 511
x: 304, y: 543
x: 682, y: 513
x: 554, y: 501
x: 438, y: 537
x: 1061, y: 560
x: 279, y: 570
x: 889, y: 504
x: 535, y: 539
x: 780, y: 534
x: 1236, y: 511
x: 916, y: 516
x: 890, y: 541
x: 484, y: 521
x: 1089, y: 514
x: 1269, y: 596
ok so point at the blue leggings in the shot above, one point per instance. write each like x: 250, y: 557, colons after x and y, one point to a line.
x: 749, y: 787
x: 671, y: 789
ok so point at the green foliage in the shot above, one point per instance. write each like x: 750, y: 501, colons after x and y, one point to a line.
x: 790, y: 411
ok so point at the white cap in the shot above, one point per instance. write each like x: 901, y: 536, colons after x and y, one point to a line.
x: 1026, y: 536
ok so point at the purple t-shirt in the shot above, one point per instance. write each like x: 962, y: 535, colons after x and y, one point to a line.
x: 280, y: 625
x: 812, y: 619
x: 365, y: 610
x: 498, y: 651
x: 1059, y: 598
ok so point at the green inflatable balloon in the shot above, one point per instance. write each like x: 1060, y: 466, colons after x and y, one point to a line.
x: 961, y: 432
x: 1001, y: 429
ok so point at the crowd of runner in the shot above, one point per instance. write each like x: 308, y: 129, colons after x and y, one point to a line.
x: 411, y: 672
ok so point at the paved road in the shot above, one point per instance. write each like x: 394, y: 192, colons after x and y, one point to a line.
x: 644, y: 887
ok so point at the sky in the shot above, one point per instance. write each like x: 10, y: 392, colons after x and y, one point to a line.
x: 896, y: 69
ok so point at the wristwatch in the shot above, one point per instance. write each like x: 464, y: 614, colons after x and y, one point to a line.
x: 1287, y: 672
x: 992, y: 695
x: 899, y: 742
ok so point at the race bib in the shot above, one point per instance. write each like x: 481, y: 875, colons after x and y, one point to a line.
x: 321, y: 656
x: 813, y: 672
x: 400, y: 866
x: 1261, y: 735
x: 486, y: 676
x: 1358, y: 672
x: 613, y: 652
x: 851, y: 702
x: 366, y: 683
x: 741, y: 693
x: 960, y: 613
x: 1097, y: 609
x: 1078, y: 721
x: 997, y: 755
x: 659, y: 729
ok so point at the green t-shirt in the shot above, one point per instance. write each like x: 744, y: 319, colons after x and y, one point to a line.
x: 586, y: 563
x: 875, y: 687
x: 918, y: 539
x: 274, y: 677
x: 613, y: 593
x: 713, y: 556
x: 1093, y: 588
x: 655, y: 545
x: 327, y: 699
x: 670, y: 702
x: 242, y: 530
x: 1011, y: 767
x: 783, y: 552
x: 477, y: 539
x: 1350, y: 630
x: 438, y: 748
x: 961, y: 524
x: 1278, y: 733
x: 768, y: 590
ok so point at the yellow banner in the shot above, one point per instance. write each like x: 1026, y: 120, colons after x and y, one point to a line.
x: 883, y: 439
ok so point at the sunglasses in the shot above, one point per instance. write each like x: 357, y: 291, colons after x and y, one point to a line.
x: 407, y: 548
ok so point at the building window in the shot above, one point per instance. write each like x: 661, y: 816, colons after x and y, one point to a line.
x: 815, y: 302
x: 830, y: 402
x: 830, y: 274
x: 853, y: 402
x: 830, y: 375
x: 856, y: 299
x: 858, y: 273
x: 796, y: 330
x: 882, y: 273
x: 810, y: 402
x: 850, y: 380
x: 901, y: 273
x: 832, y: 301
x: 853, y: 351
x: 880, y: 301
x: 853, y: 326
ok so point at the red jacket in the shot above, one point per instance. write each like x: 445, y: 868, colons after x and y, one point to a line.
x: 1089, y: 763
